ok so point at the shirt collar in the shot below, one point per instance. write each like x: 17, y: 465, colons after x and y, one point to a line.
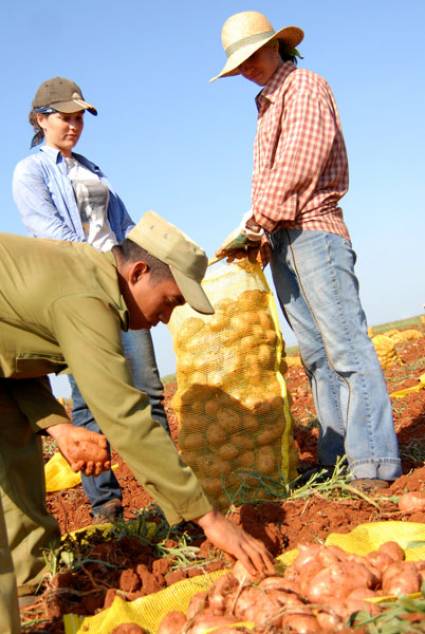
x: 52, y: 152
x: 270, y: 90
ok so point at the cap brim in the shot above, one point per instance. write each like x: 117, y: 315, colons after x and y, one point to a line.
x: 292, y: 35
x: 74, y: 105
x: 193, y: 292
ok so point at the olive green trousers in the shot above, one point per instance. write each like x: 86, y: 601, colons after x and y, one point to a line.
x: 26, y: 528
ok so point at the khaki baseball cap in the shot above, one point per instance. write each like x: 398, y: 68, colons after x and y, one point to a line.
x: 187, y: 261
x: 63, y: 95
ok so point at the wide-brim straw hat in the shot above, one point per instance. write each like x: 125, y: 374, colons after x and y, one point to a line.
x: 244, y: 33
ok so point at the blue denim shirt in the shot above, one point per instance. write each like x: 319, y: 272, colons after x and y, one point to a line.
x: 45, y: 198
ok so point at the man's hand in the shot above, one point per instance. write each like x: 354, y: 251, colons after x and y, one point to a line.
x: 236, y: 542
x: 84, y: 450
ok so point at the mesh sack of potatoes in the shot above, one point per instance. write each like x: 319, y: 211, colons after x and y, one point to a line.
x: 386, y: 351
x: 235, y: 427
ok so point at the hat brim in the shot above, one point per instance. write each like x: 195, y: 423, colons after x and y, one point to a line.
x: 193, y: 292
x: 74, y: 105
x: 291, y: 35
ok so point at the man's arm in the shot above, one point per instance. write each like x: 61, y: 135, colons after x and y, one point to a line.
x: 88, y: 332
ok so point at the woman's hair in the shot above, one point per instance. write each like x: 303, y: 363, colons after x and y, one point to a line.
x: 38, y: 132
x: 132, y: 252
x: 288, y: 54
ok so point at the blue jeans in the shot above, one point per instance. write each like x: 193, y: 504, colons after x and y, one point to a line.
x: 313, y: 272
x: 140, y: 355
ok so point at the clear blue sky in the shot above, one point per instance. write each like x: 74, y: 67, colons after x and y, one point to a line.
x: 170, y: 141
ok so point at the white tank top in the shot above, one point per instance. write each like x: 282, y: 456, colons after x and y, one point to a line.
x: 92, y: 198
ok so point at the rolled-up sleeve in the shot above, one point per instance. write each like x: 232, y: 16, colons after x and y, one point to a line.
x: 88, y: 332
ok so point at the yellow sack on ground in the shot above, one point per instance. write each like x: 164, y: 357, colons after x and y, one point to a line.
x: 231, y: 400
x: 59, y: 475
x: 409, y: 390
x: 385, y: 349
x: 400, y: 336
x: 149, y: 611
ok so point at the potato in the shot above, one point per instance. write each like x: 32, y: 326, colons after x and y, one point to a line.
x: 217, y: 594
x: 215, y: 379
x: 173, y: 623
x: 204, y: 624
x: 128, y: 628
x: 229, y: 419
x: 212, y: 406
x: 411, y: 502
x: 266, y: 320
x: 270, y: 337
x: 328, y: 583
x: 401, y: 579
x: 246, y: 460
x: 191, y: 327
x: 248, y: 343
x: 200, y: 363
x: 242, y: 441
x: 216, y: 435
x: 265, y: 462
x: 250, y: 423
x: 198, y: 378
x: 251, y: 318
x: 228, y: 452
x: 269, y: 435
x: 252, y: 300
x: 190, y: 422
x: 213, y: 467
x: 212, y: 486
x: 265, y: 356
x: 217, y: 322
x: 329, y: 621
x: 226, y: 306
x: 252, y: 402
x: 301, y: 623
x: 393, y: 550
x: 191, y: 441
x: 192, y: 458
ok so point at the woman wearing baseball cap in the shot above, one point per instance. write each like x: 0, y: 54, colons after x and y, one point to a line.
x: 64, y: 196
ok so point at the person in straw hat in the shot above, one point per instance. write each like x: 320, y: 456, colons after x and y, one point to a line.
x: 300, y: 174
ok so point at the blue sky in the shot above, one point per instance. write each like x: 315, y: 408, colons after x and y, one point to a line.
x: 170, y: 141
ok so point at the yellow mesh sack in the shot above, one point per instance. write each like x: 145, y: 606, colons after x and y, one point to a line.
x: 400, y: 336
x: 386, y: 351
x: 231, y: 400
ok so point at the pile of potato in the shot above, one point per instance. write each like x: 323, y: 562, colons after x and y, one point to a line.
x: 317, y: 593
x: 229, y: 401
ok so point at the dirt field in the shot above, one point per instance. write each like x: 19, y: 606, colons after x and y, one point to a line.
x: 133, y: 569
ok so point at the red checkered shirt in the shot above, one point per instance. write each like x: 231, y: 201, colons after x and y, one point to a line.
x: 300, y: 161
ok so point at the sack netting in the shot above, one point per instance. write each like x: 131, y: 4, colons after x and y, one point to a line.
x: 235, y: 426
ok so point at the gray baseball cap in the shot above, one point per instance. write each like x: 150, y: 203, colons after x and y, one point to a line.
x: 187, y: 261
x: 63, y: 95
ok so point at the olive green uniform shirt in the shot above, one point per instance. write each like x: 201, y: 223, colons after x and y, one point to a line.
x: 61, y: 308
